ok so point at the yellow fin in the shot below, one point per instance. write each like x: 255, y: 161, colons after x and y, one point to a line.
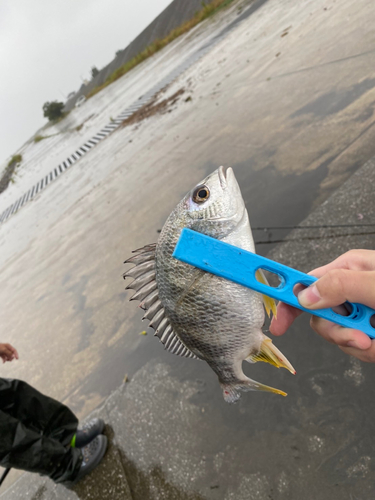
x: 269, y: 353
x: 269, y: 304
x: 267, y: 388
x: 231, y: 391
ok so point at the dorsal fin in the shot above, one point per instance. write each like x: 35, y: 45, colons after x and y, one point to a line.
x: 145, y: 285
x: 173, y: 344
x: 151, y: 247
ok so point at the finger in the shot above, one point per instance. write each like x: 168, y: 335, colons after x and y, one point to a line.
x: 338, y: 286
x: 15, y: 352
x: 10, y: 351
x: 298, y: 288
x: 367, y: 355
x: 343, y: 337
x: 285, y: 317
x: 356, y: 260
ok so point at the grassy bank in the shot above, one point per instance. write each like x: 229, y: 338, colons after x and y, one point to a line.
x: 39, y: 138
x: 206, y: 11
x: 7, y: 176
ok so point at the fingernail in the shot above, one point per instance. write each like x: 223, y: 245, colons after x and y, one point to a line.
x: 309, y: 296
x: 353, y: 343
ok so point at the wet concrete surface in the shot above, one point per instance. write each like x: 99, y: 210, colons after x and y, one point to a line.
x: 333, y: 102
x: 272, y: 198
x: 173, y: 437
x: 64, y: 304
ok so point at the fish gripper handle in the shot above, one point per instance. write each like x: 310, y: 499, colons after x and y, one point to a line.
x: 240, y: 266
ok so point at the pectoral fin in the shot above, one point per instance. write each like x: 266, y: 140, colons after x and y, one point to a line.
x: 269, y: 304
x: 269, y: 353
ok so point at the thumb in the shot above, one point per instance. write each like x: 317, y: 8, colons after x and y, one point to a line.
x: 338, y: 286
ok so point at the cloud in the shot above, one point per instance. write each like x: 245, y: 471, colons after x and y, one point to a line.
x: 47, y: 47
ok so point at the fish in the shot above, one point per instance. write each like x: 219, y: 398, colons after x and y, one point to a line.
x: 197, y: 314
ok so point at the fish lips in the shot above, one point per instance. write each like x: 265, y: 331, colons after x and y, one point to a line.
x: 228, y: 181
x: 226, y: 176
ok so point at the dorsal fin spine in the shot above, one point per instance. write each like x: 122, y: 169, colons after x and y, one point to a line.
x: 153, y: 310
x: 149, y: 299
x: 145, y: 285
x: 163, y: 324
x: 143, y: 268
x: 139, y: 282
x: 157, y: 319
x: 143, y: 292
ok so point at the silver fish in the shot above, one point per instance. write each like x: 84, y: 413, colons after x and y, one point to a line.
x: 199, y: 315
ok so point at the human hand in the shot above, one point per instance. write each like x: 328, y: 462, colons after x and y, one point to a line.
x: 351, y: 277
x: 8, y: 352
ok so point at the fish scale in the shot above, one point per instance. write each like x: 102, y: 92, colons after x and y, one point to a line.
x: 201, y: 315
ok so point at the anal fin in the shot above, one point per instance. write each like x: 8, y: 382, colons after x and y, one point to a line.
x: 269, y: 353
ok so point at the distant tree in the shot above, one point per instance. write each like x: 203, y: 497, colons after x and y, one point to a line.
x: 94, y: 71
x: 118, y: 53
x: 53, y: 110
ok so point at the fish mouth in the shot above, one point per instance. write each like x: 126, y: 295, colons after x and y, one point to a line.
x: 223, y: 176
x: 226, y: 176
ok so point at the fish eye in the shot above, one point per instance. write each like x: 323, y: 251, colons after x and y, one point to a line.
x: 201, y: 194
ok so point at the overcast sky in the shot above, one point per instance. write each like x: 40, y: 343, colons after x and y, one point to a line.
x: 48, y: 46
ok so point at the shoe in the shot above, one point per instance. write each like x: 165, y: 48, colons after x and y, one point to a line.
x: 92, y: 455
x: 88, y: 432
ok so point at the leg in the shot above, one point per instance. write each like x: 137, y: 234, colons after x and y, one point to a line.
x: 37, y: 411
x: 30, y: 450
x: 35, y: 432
